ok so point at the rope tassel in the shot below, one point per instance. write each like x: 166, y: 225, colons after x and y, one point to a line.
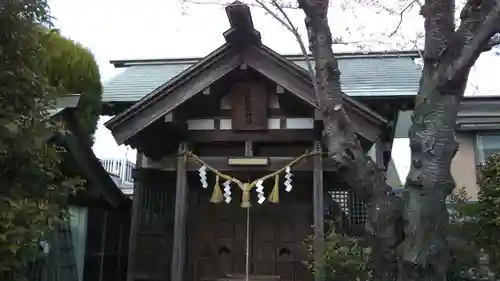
x: 217, y: 192
x: 245, y: 197
x: 274, y: 197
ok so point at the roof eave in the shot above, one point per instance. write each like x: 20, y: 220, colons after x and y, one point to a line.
x: 178, y: 79
x: 62, y: 102
x: 81, y: 150
x: 293, y: 57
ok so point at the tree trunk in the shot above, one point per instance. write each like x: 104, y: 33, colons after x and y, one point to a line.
x: 358, y: 170
x: 448, y: 57
x: 424, y: 252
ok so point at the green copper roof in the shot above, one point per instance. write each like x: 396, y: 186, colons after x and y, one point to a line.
x: 362, y: 75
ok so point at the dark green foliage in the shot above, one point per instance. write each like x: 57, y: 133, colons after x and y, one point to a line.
x: 33, y: 193
x: 488, y: 210
x: 462, y: 227
x: 474, y: 225
x: 346, y: 259
x: 71, y: 68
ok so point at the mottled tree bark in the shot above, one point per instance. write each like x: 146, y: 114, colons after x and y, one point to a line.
x: 449, y: 55
x: 424, y: 253
x: 384, y: 209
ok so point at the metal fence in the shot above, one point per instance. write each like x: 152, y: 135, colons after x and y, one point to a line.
x: 121, y: 167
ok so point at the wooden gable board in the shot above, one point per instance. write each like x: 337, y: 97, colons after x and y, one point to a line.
x: 173, y: 93
x: 192, y: 81
x: 296, y: 80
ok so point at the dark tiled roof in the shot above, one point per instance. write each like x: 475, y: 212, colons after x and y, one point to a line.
x: 376, y: 74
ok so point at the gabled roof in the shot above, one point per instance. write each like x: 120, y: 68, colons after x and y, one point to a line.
x: 80, y: 149
x: 174, y: 92
x: 242, y: 46
x: 89, y: 166
x: 363, y: 75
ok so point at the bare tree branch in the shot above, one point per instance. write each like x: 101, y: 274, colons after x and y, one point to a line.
x: 477, y: 38
x: 215, y: 2
x: 203, y: 2
x: 415, y: 44
x: 288, y: 24
x: 378, y: 41
x: 302, y: 47
x: 409, y: 5
x: 274, y: 15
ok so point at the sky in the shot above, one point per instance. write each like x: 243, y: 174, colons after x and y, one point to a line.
x: 132, y: 29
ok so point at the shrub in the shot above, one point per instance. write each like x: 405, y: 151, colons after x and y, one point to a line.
x: 33, y: 192
x: 489, y: 209
x: 346, y: 259
x: 71, y: 68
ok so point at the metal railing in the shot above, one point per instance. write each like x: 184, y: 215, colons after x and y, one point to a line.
x: 121, y: 167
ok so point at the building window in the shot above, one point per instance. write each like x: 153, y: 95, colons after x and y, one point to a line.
x: 486, y: 145
x: 106, y: 245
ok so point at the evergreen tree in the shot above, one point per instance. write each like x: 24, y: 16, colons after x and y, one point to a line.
x: 33, y: 192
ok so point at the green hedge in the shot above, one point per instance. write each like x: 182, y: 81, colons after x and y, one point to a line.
x: 488, y: 209
x: 71, y: 68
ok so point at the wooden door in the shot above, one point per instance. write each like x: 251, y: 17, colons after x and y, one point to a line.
x: 218, y: 241
x: 276, y: 237
x: 278, y: 241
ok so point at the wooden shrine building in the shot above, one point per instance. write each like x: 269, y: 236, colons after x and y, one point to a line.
x: 92, y: 244
x: 239, y: 114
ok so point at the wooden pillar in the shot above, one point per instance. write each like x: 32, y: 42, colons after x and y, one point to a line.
x: 379, y: 154
x: 103, y: 245
x: 180, y: 218
x: 318, y: 211
x: 134, y: 221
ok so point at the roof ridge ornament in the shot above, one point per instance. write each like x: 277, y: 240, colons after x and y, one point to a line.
x: 242, y: 31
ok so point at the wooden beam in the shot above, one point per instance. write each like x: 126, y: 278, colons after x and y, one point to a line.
x: 134, y: 221
x: 103, y: 245
x: 180, y: 218
x: 201, y: 113
x: 169, y: 117
x: 279, y: 89
x: 363, y: 125
x: 221, y: 163
x: 319, y: 221
x: 379, y: 155
x: 265, y: 136
x: 248, y: 148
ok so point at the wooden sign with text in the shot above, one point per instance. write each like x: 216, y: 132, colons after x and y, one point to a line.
x: 249, y: 106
